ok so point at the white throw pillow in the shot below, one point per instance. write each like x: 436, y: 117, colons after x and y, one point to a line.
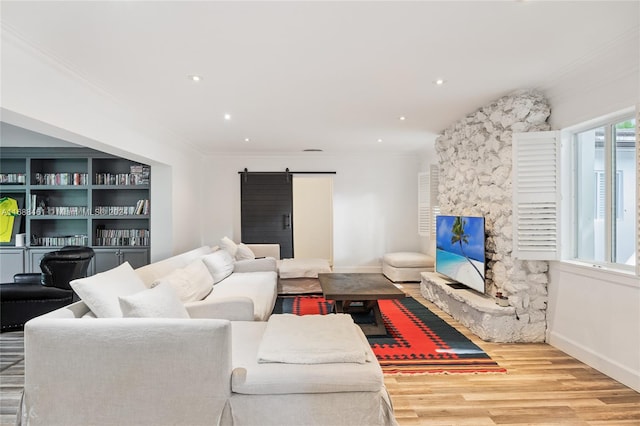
x: 220, y: 265
x: 229, y: 245
x: 191, y: 283
x: 161, y: 301
x: 100, y: 292
x: 244, y: 252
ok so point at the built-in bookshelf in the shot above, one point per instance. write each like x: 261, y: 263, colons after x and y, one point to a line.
x: 78, y: 196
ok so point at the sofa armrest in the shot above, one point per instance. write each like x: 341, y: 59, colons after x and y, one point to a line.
x: 267, y: 264
x: 229, y: 308
x: 265, y: 250
x: 126, y: 371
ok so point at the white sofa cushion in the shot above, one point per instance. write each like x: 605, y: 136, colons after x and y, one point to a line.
x: 255, y: 265
x: 260, y: 287
x: 251, y: 377
x: 229, y: 245
x: 265, y: 250
x: 100, y: 292
x: 161, y: 301
x: 244, y: 253
x: 153, y: 271
x: 220, y: 265
x: 191, y: 283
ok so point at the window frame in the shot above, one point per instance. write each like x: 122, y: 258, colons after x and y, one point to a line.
x: 570, y: 135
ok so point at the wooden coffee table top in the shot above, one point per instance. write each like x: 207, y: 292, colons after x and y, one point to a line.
x: 355, y: 287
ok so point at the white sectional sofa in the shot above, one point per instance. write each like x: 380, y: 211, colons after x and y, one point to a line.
x: 197, y: 370
x: 249, y: 293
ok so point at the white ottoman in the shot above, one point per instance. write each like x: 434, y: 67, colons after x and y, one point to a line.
x: 406, y: 266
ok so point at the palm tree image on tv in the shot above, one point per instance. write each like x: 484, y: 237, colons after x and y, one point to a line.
x: 458, y: 236
x: 460, y: 252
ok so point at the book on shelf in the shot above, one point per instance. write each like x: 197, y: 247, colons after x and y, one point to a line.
x: 141, y: 173
x: 142, y: 207
x: 63, y: 179
x: 13, y: 179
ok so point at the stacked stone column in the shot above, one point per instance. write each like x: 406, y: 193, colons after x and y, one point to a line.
x: 475, y: 159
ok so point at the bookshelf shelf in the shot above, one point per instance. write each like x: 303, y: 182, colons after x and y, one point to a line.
x: 123, y: 187
x: 64, y: 200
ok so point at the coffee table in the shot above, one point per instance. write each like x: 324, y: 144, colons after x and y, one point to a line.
x: 345, y: 289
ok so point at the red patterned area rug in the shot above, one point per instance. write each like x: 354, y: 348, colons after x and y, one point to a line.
x: 417, y: 340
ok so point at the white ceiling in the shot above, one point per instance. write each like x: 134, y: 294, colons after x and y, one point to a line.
x: 328, y: 75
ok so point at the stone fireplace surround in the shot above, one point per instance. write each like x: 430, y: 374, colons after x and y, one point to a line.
x: 475, y: 164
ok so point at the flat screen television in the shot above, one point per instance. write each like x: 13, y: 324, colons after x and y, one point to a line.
x: 460, y: 252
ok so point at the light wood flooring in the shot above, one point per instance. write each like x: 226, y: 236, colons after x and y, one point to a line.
x: 543, y: 386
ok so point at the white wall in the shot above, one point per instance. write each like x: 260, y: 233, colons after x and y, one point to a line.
x: 374, y: 202
x: 41, y: 95
x: 594, y: 315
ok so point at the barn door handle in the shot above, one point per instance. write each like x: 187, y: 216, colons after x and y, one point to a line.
x: 287, y: 221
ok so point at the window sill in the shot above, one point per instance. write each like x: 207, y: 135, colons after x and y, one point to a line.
x: 618, y: 276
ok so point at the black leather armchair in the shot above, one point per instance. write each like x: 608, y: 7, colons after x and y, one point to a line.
x: 31, y: 295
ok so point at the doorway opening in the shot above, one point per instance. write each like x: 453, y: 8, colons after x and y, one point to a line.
x: 293, y: 210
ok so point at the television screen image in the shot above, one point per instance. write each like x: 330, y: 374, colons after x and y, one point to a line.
x: 460, y: 252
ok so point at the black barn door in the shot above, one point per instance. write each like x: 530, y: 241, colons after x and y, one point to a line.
x: 266, y: 210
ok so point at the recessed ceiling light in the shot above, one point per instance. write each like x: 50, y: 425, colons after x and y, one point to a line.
x: 247, y: 139
x: 402, y: 118
x: 439, y: 82
x: 227, y: 117
x: 379, y: 140
x: 194, y: 77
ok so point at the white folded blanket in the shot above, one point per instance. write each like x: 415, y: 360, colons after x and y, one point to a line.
x: 312, y: 339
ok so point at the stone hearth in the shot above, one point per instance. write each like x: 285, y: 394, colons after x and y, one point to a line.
x: 479, y: 313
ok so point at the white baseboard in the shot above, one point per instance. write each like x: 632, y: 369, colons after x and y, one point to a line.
x: 605, y: 365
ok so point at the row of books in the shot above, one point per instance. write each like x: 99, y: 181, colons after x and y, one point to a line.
x: 138, y: 209
x: 13, y: 178
x: 119, y: 179
x: 138, y: 175
x: 62, y: 211
x: 86, y: 211
x: 61, y: 179
x: 69, y: 240
x: 122, y: 237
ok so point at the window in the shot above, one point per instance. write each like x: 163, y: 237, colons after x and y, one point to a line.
x: 605, y: 194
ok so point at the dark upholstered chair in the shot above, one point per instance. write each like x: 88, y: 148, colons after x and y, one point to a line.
x: 31, y: 295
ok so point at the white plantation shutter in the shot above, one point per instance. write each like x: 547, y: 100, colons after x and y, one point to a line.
x: 424, y: 207
x: 536, y: 195
x: 428, y: 207
x: 434, y: 182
